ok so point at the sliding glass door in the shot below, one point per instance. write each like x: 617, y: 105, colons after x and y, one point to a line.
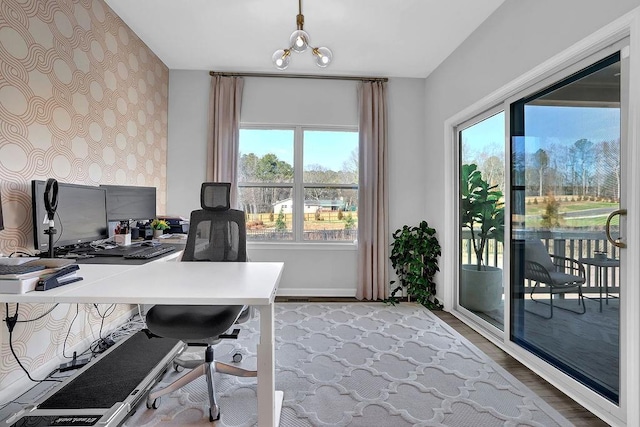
x: 566, y: 199
x: 482, y: 180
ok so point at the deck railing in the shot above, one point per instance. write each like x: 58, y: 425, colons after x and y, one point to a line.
x: 569, y: 244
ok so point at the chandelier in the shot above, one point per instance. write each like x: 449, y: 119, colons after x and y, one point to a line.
x: 299, y: 42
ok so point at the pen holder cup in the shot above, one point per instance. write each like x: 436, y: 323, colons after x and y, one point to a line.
x: 122, y: 239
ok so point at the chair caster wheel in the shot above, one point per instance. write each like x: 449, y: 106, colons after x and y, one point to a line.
x: 177, y: 367
x: 153, y: 404
x: 237, y: 358
x: 214, y: 413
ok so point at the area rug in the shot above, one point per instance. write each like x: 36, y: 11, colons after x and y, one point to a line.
x: 362, y: 364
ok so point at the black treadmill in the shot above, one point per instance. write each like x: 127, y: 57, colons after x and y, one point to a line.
x: 105, y: 391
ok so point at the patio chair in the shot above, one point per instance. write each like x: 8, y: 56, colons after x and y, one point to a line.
x: 559, y: 274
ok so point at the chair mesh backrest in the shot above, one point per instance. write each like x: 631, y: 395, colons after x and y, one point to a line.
x: 535, y: 251
x: 216, y: 233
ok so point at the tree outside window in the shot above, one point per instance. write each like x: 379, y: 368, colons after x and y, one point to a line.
x: 299, y: 184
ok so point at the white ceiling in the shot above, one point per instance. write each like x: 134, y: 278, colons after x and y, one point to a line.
x: 393, y: 38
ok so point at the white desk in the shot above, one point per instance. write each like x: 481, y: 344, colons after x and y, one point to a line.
x: 189, y: 283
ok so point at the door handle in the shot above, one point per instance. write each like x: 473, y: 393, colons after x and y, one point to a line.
x: 617, y: 243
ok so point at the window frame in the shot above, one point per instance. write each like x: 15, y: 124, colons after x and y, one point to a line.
x: 298, y: 187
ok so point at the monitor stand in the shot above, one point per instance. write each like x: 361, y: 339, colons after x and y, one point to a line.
x: 50, y: 232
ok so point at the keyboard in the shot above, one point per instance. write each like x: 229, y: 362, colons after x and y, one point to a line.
x: 149, y: 252
x: 20, y: 269
x: 119, y: 251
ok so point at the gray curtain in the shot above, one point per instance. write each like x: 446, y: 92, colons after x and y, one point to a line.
x: 225, y: 101
x: 373, y: 227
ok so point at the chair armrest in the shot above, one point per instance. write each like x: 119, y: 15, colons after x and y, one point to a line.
x: 568, y: 265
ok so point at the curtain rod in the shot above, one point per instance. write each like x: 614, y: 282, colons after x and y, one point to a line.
x: 297, y: 76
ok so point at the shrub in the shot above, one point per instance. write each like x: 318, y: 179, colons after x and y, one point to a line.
x: 281, y: 225
x: 552, y: 216
x: 254, y: 224
x: 349, y: 222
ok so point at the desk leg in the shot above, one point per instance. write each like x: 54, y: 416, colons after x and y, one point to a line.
x: 269, y: 400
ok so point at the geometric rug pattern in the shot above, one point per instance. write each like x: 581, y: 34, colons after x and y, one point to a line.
x: 361, y: 364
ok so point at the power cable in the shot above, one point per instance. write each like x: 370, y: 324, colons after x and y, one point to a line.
x: 20, y: 253
x: 102, y: 343
x: 64, y: 344
x: 37, y: 318
x: 11, y: 323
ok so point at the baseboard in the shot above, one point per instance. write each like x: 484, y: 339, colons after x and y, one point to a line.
x: 23, y: 384
x: 316, y: 292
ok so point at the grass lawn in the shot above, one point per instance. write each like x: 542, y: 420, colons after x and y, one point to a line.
x: 533, y: 209
x: 590, y: 220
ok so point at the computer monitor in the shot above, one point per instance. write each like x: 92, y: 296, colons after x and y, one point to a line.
x: 81, y: 216
x: 130, y: 202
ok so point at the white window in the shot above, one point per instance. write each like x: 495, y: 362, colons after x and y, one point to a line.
x: 299, y: 184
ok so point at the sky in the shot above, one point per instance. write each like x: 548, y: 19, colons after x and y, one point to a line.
x: 566, y: 125
x: 545, y: 125
x: 329, y: 149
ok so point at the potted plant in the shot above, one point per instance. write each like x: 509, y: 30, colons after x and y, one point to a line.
x: 414, y: 257
x: 158, y: 226
x: 482, y: 212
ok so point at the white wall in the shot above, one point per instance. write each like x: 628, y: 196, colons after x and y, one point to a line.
x: 309, y: 102
x: 517, y: 37
x: 299, y: 101
x: 187, y: 135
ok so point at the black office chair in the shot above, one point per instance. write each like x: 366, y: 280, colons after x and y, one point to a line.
x: 216, y: 233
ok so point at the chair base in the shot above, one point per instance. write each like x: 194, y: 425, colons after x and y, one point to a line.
x: 206, y: 367
x: 551, y: 306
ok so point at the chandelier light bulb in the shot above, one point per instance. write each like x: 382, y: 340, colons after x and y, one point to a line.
x: 323, y: 56
x: 281, y: 58
x: 299, y: 41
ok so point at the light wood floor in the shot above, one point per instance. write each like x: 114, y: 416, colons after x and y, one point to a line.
x: 571, y: 410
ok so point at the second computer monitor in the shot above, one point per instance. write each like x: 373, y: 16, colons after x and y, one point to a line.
x: 130, y: 202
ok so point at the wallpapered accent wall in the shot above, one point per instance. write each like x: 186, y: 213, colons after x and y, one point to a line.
x: 82, y: 100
